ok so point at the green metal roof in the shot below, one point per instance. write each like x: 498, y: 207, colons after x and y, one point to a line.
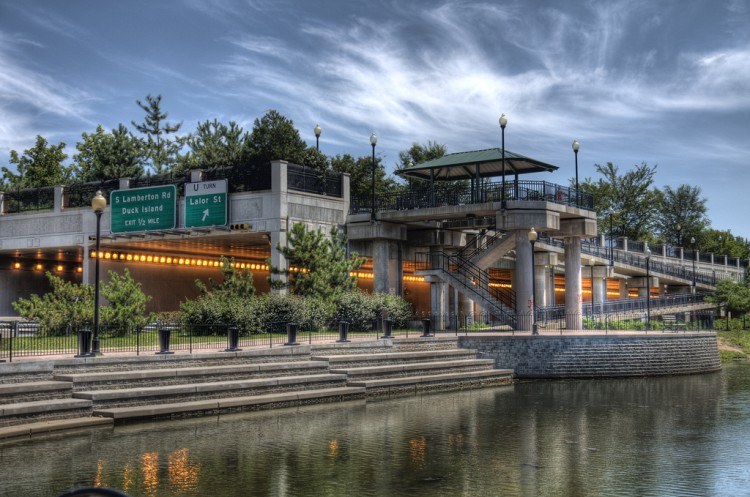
x: 463, y: 165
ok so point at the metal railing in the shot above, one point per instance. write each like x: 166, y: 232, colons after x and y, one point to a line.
x: 29, y: 200
x: 483, y: 242
x: 504, y: 299
x: 306, y: 179
x: 422, y: 196
x: 620, y: 306
x: 80, y: 194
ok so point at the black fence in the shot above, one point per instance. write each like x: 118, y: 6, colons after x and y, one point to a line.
x: 423, y: 196
x: 29, y: 200
x: 80, y: 194
x: 251, y: 178
x: 306, y: 179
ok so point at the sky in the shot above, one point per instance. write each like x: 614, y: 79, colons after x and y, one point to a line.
x: 662, y: 82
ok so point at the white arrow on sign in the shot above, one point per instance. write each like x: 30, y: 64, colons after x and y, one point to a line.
x: 205, y: 215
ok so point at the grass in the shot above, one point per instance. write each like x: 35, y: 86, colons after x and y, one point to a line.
x: 734, y: 344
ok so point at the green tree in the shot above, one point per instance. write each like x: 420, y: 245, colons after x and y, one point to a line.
x: 126, y: 303
x: 681, y: 214
x: 275, y: 137
x: 215, y: 144
x: 723, y: 242
x: 40, y: 165
x: 630, y: 195
x: 318, y: 266
x: 732, y: 295
x: 66, y: 307
x: 417, y: 153
x: 102, y: 156
x: 360, y: 181
x: 235, y: 283
x: 160, y: 147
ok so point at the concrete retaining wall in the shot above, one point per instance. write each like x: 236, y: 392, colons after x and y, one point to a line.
x: 599, y: 355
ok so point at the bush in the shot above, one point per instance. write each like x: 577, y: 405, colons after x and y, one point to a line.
x: 127, y: 303
x: 360, y: 309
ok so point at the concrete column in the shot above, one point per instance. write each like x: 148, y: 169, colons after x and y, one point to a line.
x: 523, y: 283
x: 278, y: 238
x: 385, y: 266
x: 598, y: 292
x: 87, y: 264
x: 551, y: 285
x: 439, y: 303
x: 573, y: 307
x: 57, y: 199
x: 466, y: 308
x: 623, y: 289
x: 541, y: 277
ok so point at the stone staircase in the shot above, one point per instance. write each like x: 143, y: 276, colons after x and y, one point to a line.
x: 102, y: 390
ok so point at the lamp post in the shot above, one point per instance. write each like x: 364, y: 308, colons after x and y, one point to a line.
x: 611, y: 213
x: 532, y: 238
x: 648, y: 288
x: 576, y: 145
x: 503, y: 123
x: 695, y: 256
x: 318, y: 130
x: 98, y: 203
x: 373, y: 142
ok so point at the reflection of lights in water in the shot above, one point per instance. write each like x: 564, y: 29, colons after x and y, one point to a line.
x: 150, y: 469
x: 98, y: 480
x: 333, y: 448
x: 127, y: 477
x: 417, y: 448
x: 183, y: 474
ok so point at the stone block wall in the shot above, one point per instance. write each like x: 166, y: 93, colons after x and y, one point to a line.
x: 599, y: 355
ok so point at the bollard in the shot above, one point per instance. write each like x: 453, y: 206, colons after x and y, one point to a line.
x: 343, y: 332
x: 387, y: 328
x: 291, y: 334
x: 84, y: 343
x: 165, y: 333
x: 426, y: 327
x: 233, y: 339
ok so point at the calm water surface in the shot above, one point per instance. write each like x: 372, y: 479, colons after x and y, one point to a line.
x: 661, y: 436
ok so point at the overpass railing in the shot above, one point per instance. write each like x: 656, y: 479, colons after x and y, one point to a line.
x: 423, y: 196
x: 621, y: 306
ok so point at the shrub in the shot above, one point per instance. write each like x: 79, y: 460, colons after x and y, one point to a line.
x: 127, y: 303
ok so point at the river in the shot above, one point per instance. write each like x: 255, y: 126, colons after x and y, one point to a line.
x: 681, y: 436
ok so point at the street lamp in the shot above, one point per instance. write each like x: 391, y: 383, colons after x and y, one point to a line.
x: 503, y: 123
x: 373, y: 142
x: 695, y: 255
x: 611, y: 213
x: 576, y: 145
x: 648, y: 288
x: 532, y: 238
x: 98, y: 203
x: 318, y: 130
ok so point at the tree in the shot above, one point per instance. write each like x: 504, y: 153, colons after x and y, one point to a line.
x: 681, y: 214
x: 126, y: 309
x: 629, y: 195
x: 160, y: 148
x: 39, y: 166
x: 236, y: 283
x: 318, y: 266
x: 102, y: 156
x: 732, y: 295
x: 723, y: 242
x: 215, y: 144
x: 360, y: 172
x: 275, y: 137
x: 417, y: 154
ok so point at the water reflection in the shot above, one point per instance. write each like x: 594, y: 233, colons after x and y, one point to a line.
x: 660, y: 436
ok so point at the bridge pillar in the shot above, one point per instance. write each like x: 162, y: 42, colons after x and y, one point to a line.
x: 573, y: 302
x: 466, y: 309
x: 439, y: 298
x: 278, y: 238
x: 386, y: 269
x: 543, y: 262
x: 523, y: 282
x: 599, y: 288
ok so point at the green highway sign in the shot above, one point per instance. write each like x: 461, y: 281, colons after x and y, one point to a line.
x: 206, y: 203
x: 143, y: 209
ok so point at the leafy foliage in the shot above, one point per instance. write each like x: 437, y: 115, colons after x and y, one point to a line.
x: 275, y: 137
x: 127, y: 303
x: 102, y: 156
x: 160, y: 148
x: 38, y: 166
x: 732, y: 295
x: 215, y: 144
x: 318, y: 266
x: 360, y: 309
x: 681, y: 214
x: 360, y: 173
x: 69, y: 306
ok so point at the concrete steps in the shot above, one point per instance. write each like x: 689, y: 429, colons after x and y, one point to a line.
x: 204, y: 407
x: 443, y: 382
x: 182, y: 375
x: 34, y: 390
x: 353, y: 360
x: 416, y: 368
x: 208, y: 390
x: 43, y: 410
